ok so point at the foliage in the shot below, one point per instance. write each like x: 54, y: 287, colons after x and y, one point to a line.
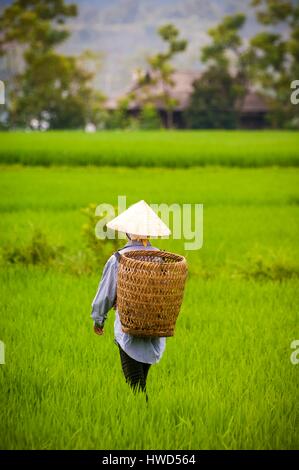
x: 265, y: 267
x: 226, y: 40
x: 270, y: 62
x: 62, y: 94
x: 149, y: 118
x: 38, y: 251
x: 100, y: 249
x: 52, y: 90
x: 119, y: 118
x: 161, y: 71
x: 217, y: 95
x: 213, y: 101
x: 274, y: 57
x: 36, y: 24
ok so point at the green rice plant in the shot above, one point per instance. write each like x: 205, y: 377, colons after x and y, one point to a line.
x: 160, y: 148
x: 226, y: 380
x: 37, y: 251
x: 100, y: 249
x: 273, y: 268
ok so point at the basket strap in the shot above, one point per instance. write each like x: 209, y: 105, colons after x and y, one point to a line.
x: 117, y: 254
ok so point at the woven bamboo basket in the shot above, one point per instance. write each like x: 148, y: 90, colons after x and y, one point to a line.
x: 150, y: 290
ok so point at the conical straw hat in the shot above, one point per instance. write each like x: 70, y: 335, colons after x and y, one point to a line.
x: 139, y: 219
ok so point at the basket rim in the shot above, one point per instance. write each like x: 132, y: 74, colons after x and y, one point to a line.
x: 129, y: 255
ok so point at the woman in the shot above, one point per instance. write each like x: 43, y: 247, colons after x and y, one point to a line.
x: 137, y: 354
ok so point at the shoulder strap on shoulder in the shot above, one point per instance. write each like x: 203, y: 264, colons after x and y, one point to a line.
x: 117, y: 254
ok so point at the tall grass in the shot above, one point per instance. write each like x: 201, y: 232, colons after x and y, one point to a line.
x: 248, y: 213
x: 225, y: 381
x: 152, y: 148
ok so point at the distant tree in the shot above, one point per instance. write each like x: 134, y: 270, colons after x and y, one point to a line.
x: 119, y: 119
x: 161, y: 71
x: 149, y: 118
x: 51, y: 87
x: 55, y: 89
x: 223, y: 83
x: 36, y: 24
x: 274, y: 57
x: 212, y: 103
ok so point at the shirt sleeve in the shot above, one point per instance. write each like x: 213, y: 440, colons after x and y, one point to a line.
x: 106, y: 293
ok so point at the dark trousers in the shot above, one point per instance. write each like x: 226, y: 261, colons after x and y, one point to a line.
x: 135, y: 372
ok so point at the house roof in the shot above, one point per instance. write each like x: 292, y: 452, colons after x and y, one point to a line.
x: 253, y: 103
x: 181, y: 91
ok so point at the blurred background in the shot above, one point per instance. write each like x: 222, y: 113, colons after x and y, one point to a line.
x: 149, y: 64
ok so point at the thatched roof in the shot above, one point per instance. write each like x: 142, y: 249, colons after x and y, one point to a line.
x: 254, y: 103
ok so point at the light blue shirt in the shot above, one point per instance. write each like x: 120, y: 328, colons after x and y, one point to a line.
x: 142, y: 349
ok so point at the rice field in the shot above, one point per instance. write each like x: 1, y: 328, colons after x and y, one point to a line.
x: 225, y: 381
x: 152, y: 148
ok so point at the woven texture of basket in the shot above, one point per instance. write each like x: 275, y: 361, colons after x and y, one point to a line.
x: 150, y: 289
